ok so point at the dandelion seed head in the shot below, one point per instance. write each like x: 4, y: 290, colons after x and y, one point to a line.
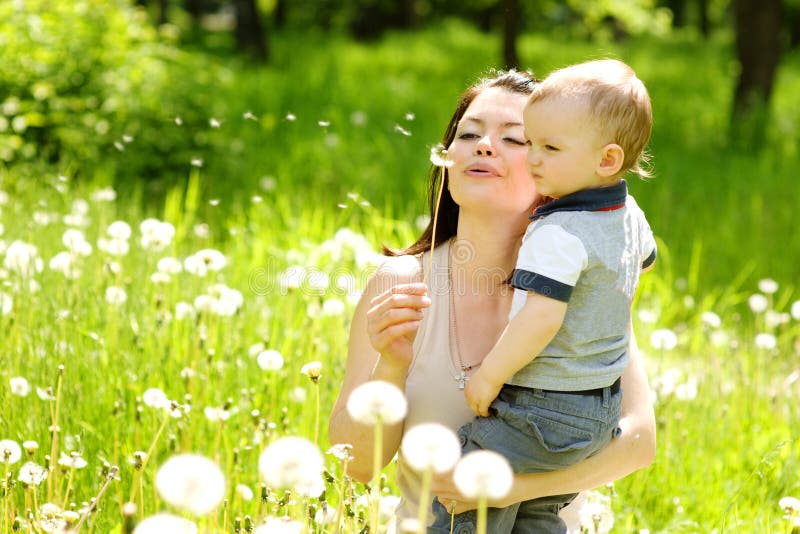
x: 596, y: 515
x: 10, y: 452
x: 663, y: 339
x: 6, y: 304
x: 431, y: 446
x: 358, y: 118
x: 155, y: 398
x: 438, y: 157
x: 113, y: 246
x: 116, y: 296
x: 333, y: 307
x: 765, y: 341
x: 483, y: 473
x: 279, y: 525
x: 312, y: 370
x: 23, y: 258
x: 270, y: 360
x: 711, y: 319
x: 291, y: 463
x: 790, y: 504
x: 156, y: 235
x: 758, y: 303
x: 72, y: 460
x: 244, y: 491
x: 376, y: 401
x: 19, y: 386
x: 32, y: 474
x: 65, y: 263
x: 767, y: 286
x: 191, y: 482
x: 45, y: 394
x: 119, y: 230
x: 163, y: 522
x: 184, y: 310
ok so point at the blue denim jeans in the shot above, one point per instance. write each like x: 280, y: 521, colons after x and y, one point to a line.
x: 536, y: 431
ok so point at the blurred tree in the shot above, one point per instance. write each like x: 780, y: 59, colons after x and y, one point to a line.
x: 511, y: 25
x: 758, y: 48
x: 249, y: 31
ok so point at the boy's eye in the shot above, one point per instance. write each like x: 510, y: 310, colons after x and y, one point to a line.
x: 551, y: 148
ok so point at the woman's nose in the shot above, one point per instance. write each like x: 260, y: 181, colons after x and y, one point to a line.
x: 484, y: 147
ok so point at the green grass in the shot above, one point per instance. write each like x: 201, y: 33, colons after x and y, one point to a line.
x: 725, y: 457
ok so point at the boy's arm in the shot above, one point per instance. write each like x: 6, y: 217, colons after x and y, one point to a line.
x: 526, y: 335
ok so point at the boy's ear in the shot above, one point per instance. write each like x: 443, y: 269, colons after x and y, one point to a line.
x: 611, y: 158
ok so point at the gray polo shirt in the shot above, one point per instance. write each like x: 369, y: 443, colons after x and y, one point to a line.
x: 586, y: 249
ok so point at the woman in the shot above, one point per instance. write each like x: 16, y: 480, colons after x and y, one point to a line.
x: 425, y: 338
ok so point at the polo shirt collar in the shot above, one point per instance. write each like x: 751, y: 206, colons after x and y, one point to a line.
x: 597, y: 199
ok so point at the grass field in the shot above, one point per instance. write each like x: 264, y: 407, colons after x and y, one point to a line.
x: 273, y: 239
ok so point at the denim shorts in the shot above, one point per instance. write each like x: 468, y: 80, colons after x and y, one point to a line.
x: 538, y: 430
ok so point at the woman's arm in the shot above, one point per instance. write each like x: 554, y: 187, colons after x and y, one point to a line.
x: 633, y: 449
x: 382, y: 333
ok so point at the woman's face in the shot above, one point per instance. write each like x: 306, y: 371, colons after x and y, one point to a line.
x: 488, y: 152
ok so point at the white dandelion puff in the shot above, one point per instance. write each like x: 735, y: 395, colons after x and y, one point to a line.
x: 155, y: 398
x: 156, y: 235
x: 113, y: 246
x: 768, y: 286
x: 65, y: 263
x: 765, y: 341
x: 72, y: 460
x: 184, y: 310
x: 75, y: 242
x: 795, y: 310
x: 191, y: 482
x: 758, y: 303
x: 106, y: 194
x: 244, y: 491
x: 333, y: 307
x: 483, y: 474
x: 163, y: 522
x: 789, y: 504
x: 116, y: 295
x: 711, y: 319
x: 280, y: 525
x: 663, y: 339
x: 6, y: 304
x: 270, y: 360
x: 10, y: 452
x: 312, y: 370
x: 32, y: 474
x: 431, y: 446
x: 291, y: 463
x: 439, y: 157
x: 20, y: 386
x: 292, y: 277
x: 119, y: 230
x: 376, y: 401
x: 23, y: 259
x: 596, y: 515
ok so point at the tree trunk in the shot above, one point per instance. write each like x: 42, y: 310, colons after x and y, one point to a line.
x: 511, y: 18
x: 249, y: 31
x: 279, y: 14
x: 163, y: 5
x: 758, y: 48
x: 703, y: 23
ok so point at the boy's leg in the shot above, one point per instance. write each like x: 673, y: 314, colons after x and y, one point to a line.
x: 541, y: 515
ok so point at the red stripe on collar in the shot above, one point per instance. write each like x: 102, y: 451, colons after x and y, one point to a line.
x: 612, y: 208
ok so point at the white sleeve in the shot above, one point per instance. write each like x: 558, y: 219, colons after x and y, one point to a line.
x: 550, y: 261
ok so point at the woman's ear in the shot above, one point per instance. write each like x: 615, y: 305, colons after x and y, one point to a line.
x: 612, y: 157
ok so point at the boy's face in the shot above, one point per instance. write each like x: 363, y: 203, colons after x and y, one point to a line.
x: 564, y: 148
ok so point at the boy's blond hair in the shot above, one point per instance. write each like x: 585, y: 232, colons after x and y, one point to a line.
x: 617, y: 102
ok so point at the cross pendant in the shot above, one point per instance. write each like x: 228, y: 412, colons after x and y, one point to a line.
x: 462, y: 379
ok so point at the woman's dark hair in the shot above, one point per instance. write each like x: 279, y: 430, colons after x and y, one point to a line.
x: 513, y: 81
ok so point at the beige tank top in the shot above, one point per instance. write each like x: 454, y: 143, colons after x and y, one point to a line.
x: 431, y: 386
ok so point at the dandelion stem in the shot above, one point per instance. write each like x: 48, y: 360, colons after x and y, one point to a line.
x: 424, y: 500
x: 435, y: 221
x: 316, y: 414
x: 54, y: 436
x: 481, y: 527
x: 376, y: 476
x: 93, y: 503
x: 139, y: 472
x: 69, y: 488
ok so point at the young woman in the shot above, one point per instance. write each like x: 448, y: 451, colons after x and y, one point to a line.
x: 425, y: 338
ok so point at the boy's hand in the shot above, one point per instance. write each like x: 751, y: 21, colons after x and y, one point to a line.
x: 480, y: 393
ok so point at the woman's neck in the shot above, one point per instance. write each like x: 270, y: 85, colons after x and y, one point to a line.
x: 484, y: 253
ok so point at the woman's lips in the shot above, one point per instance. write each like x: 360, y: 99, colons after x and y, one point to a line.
x: 481, y: 170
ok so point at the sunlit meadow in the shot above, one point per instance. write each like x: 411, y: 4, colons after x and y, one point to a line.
x: 170, y: 368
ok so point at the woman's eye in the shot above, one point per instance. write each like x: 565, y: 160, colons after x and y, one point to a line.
x: 467, y: 135
x: 516, y: 141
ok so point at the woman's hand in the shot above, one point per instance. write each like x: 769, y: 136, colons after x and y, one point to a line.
x: 445, y: 489
x: 393, y: 320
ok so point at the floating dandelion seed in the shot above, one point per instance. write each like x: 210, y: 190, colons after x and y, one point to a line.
x: 768, y: 286
x: 248, y: 115
x: 6, y: 303
x: 161, y: 523
x: 191, y: 482
x: 324, y: 124
x: 431, y: 446
x: 106, y: 194
x: 796, y: 310
x: 483, y: 474
x: 358, y: 118
x: 409, y: 116
x: 758, y: 303
x: 376, y: 401
x: 119, y: 146
x: 196, y: 162
x: 401, y: 130
x: 214, y: 123
x: 291, y: 463
x: 663, y: 339
x: 291, y: 117
x: 178, y: 121
x: 10, y: 452
x: 270, y: 360
x: 20, y: 386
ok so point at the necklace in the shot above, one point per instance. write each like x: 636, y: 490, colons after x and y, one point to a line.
x: 462, y: 378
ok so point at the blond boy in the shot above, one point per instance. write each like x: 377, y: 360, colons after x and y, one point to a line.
x: 548, y: 393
